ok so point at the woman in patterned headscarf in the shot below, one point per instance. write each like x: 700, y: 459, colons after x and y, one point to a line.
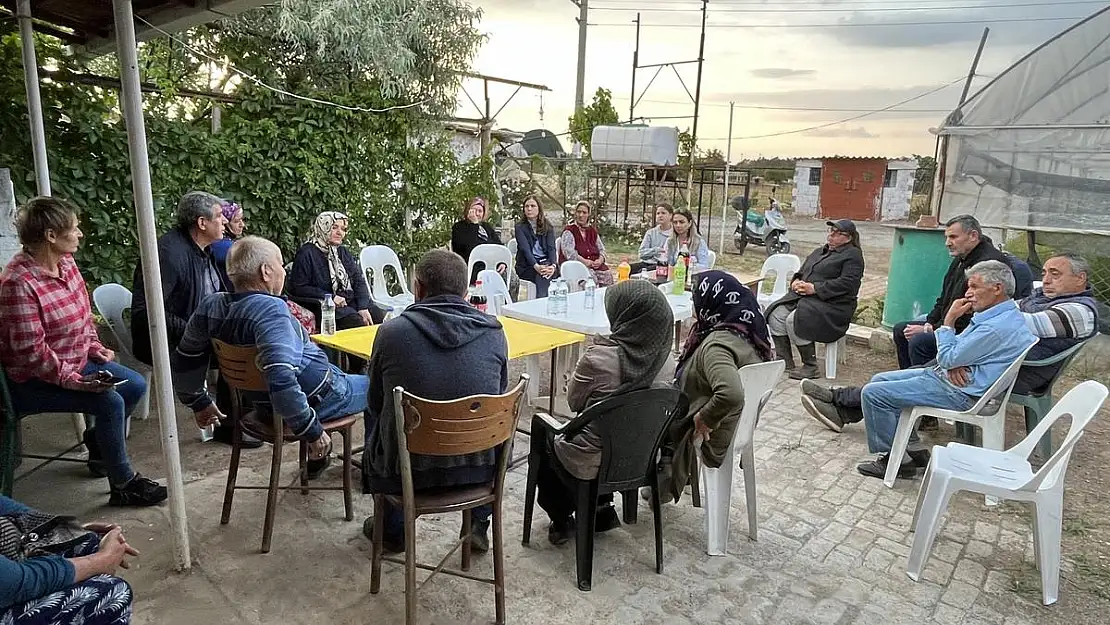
x: 636, y: 355
x: 730, y: 332
x: 324, y: 266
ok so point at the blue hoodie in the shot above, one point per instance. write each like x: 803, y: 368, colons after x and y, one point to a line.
x: 440, y: 348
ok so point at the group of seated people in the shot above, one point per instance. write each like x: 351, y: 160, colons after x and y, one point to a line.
x: 49, y: 349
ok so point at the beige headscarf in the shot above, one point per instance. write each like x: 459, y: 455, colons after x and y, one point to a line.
x: 321, y: 235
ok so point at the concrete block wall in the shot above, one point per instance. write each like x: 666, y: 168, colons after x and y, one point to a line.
x: 806, y: 197
x: 896, y: 199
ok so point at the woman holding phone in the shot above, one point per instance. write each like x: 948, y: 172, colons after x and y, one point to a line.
x: 50, y: 350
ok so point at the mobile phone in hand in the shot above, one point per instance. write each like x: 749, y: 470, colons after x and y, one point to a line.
x: 104, y: 377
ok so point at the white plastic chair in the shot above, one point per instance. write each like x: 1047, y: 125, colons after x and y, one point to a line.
x: 111, y: 300
x: 1008, y: 475
x: 376, y: 258
x: 1037, y: 284
x: 490, y: 255
x: 784, y: 266
x: 529, y: 286
x: 989, y: 413
x: 835, y: 353
x: 712, y: 261
x: 575, y: 273
x: 759, y: 383
x: 497, y: 292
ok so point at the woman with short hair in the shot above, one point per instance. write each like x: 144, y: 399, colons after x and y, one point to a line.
x: 51, y: 353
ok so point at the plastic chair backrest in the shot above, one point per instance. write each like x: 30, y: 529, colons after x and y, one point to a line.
x: 575, y: 273
x: 1001, y: 388
x: 497, y: 292
x: 512, y: 247
x: 111, y: 300
x: 784, y: 266
x: 376, y: 258
x: 1082, y: 403
x: 631, y: 426
x: 1064, y: 359
x: 712, y: 261
x: 455, y: 427
x: 759, y: 382
x: 490, y: 255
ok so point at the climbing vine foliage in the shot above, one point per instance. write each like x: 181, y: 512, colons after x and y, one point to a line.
x: 283, y: 160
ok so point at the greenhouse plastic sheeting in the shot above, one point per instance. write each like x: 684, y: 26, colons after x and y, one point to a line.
x: 1031, y: 150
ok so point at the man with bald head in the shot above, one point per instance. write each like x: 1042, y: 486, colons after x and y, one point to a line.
x: 304, y: 388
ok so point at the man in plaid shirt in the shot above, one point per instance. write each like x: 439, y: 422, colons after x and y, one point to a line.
x: 50, y: 351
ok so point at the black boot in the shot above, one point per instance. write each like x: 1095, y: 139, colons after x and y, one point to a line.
x: 808, y: 370
x: 784, y: 351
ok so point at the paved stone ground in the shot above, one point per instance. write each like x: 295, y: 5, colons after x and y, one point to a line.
x: 831, y: 549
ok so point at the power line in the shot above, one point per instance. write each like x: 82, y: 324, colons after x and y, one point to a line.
x: 759, y: 107
x: 849, y: 24
x: 852, y: 10
x: 849, y: 119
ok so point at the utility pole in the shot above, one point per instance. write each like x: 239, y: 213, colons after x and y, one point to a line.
x: 942, y: 141
x: 635, y: 65
x: 728, y: 170
x: 697, y: 105
x: 580, y: 86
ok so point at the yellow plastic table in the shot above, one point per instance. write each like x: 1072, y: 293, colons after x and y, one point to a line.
x: 524, y: 338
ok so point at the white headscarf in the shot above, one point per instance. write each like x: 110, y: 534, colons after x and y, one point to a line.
x: 321, y: 237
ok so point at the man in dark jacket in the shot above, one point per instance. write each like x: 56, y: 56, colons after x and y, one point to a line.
x: 821, y: 301
x: 440, y: 348
x: 968, y: 246
x: 1062, y: 314
x: 189, y: 274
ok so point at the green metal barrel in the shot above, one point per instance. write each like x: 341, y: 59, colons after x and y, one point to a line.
x: 918, y: 263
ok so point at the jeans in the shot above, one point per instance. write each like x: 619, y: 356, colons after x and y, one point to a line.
x: 347, y: 397
x: 109, y: 409
x: 888, y: 393
x: 916, y: 351
x: 99, y: 600
x: 781, y: 323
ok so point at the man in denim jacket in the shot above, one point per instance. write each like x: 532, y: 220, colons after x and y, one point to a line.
x: 304, y: 388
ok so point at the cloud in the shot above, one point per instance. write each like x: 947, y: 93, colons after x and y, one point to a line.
x: 859, y: 132
x: 776, y: 73
x: 863, y: 98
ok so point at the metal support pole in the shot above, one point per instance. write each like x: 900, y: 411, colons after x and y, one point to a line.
x: 728, y: 170
x: 132, y: 104
x: 34, y: 98
x: 485, y: 136
x: 635, y: 66
x: 697, y: 104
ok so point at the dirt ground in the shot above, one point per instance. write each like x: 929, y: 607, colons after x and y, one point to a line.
x: 1086, y: 537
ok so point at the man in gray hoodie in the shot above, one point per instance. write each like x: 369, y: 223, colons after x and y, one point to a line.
x: 440, y: 348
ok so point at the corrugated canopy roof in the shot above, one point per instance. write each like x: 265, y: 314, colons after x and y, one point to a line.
x: 91, y: 23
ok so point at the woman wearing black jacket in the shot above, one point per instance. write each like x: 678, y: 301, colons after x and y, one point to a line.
x: 472, y: 230
x: 324, y: 266
x: 535, y: 247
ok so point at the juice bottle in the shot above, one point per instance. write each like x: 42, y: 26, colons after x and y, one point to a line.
x: 624, y: 270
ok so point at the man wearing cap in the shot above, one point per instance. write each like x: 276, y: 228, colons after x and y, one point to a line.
x: 821, y: 301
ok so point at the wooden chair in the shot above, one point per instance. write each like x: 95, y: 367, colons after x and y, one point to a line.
x: 238, y: 366
x: 449, y: 428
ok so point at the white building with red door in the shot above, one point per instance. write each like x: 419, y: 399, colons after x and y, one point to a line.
x: 857, y: 188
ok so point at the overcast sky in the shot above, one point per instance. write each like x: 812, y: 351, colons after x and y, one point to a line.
x: 767, y: 58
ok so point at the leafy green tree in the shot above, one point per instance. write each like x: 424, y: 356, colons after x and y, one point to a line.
x: 926, y: 169
x: 600, y: 112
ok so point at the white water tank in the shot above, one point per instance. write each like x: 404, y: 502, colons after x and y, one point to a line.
x: 634, y: 145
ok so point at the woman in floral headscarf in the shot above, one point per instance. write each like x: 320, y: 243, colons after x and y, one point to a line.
x: 730, y: 332
x: 234, y: 225
x: 324, y: 266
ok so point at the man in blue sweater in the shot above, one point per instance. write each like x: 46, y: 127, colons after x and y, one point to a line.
x: 995, y: 338
x: 440, y: 348
x: 304, y: 388
x: 75, y: 586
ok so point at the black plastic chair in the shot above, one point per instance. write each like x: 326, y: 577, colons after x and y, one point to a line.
x: 631, y: 427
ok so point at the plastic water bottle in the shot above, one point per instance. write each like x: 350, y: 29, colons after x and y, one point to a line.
x: 561, y: 302
x: 591, y: 290
x: 553, y: 299
x: 327, y: 315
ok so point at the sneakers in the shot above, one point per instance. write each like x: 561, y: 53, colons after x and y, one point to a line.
x: 316, y: 468
x: 389, y: 544
x: 817, y: 391
x: 825, y: 413
x: 479, y: 537
x: 877, y: 468
x: 94, y: 464
x: 560, y: 533
x: 606, y: 519
x: 140, y: 491
x: 224, y: 433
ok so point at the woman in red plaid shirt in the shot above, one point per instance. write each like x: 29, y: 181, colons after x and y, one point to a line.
x: 50, y: 351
